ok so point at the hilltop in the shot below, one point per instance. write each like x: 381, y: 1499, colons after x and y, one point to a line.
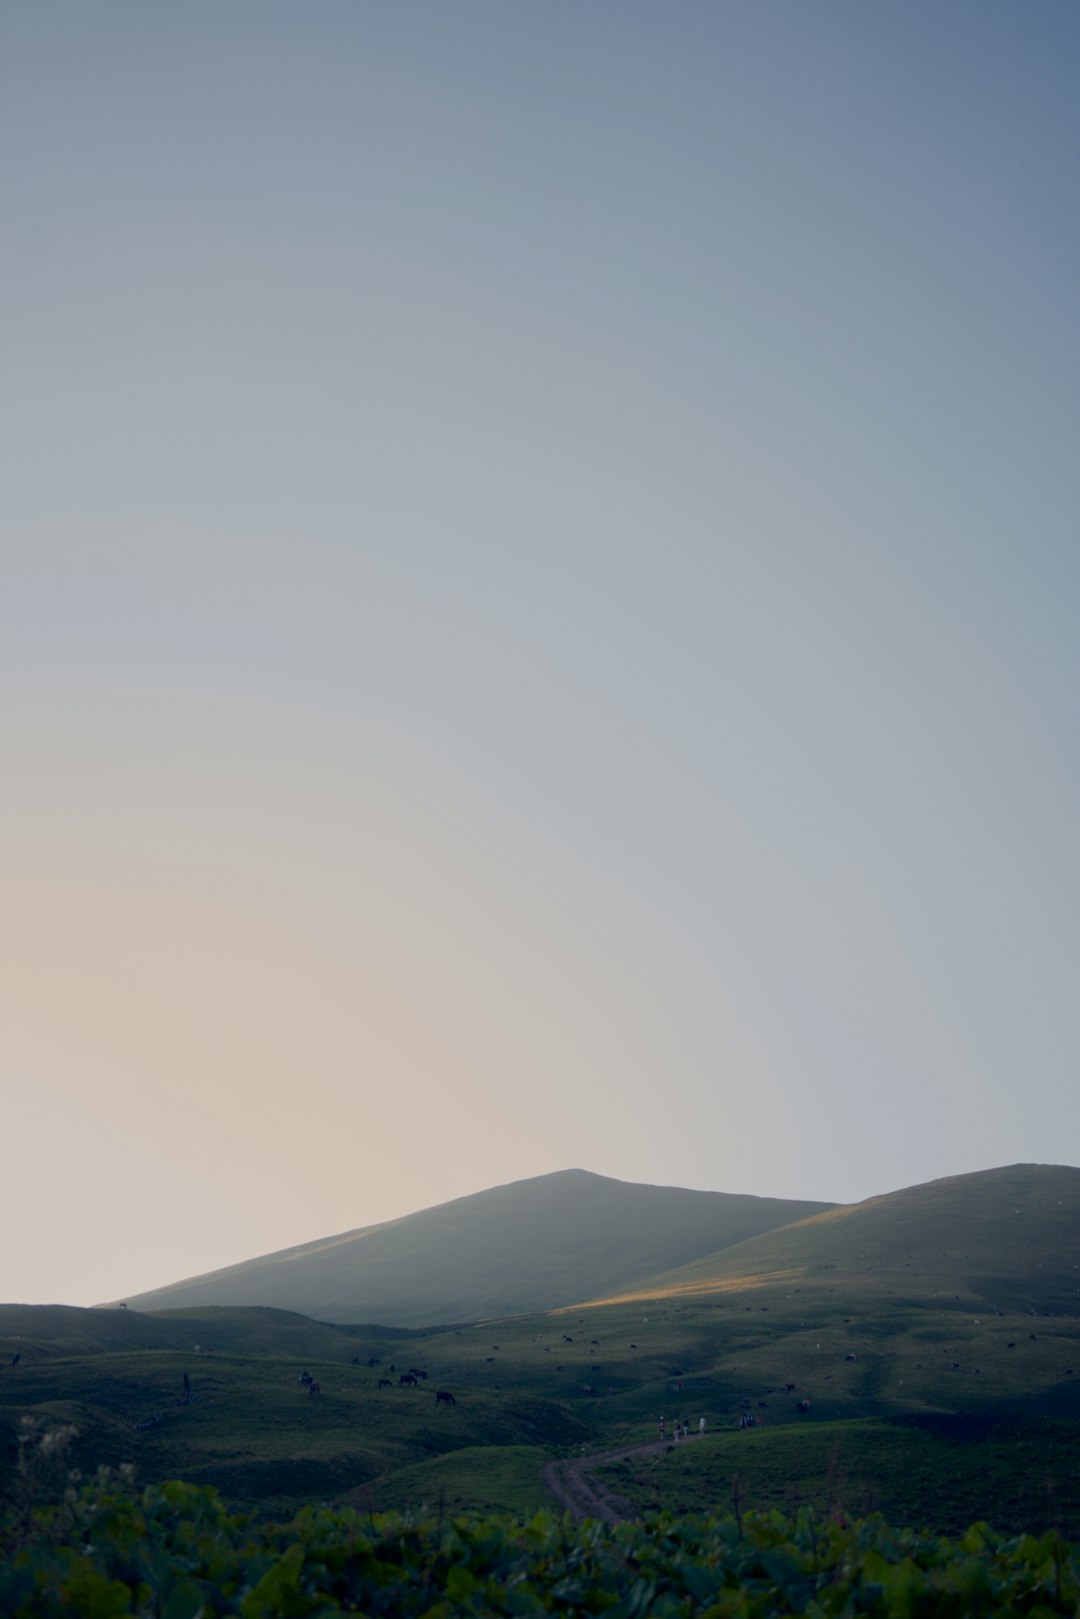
x: 1001, y: 1239
x: 532, y: 1245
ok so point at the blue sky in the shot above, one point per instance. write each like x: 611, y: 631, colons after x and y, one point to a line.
x: 538, y: 622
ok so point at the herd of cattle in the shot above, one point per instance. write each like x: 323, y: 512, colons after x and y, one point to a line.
x: 410, y: 1379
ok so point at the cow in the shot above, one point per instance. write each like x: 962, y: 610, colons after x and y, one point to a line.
x: 444, y: 1397
x: 304, y: 1378
x: 385, y: 1383
x: 566, y: 1339
x: 803, y: 1406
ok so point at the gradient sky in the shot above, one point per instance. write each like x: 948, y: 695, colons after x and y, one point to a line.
x: 538, y: 610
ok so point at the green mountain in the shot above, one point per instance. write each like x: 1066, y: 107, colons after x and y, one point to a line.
x: 999, y: 1240
x: 533, y: 1245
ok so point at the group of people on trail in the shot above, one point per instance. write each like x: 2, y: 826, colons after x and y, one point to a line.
x: 682, y: 1429
x: 747, y: 1420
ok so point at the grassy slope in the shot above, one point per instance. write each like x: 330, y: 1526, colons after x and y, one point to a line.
x: 942, y: 1476
x: 1004, y: 1238
x: 529, y: 1246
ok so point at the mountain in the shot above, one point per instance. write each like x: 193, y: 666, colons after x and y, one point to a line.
x: 533, y: 1245
x: 1002, y: 1239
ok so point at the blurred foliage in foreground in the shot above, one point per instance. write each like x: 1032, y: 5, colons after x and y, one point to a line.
x: 175, y: 1551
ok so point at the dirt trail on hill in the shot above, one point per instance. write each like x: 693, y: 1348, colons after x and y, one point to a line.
x: 572, y: 1485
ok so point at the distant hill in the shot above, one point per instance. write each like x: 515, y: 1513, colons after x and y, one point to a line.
x: 533, y: 1245
x: 60, y: 1331
x: 1005, y: 1239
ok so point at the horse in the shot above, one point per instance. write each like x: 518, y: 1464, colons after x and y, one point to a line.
x: 314, y: 1387
x: 444, y: 1397
x: 406, y: 1380
x: 385, y: 1383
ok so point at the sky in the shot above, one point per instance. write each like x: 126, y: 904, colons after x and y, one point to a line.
x: 537, y: 610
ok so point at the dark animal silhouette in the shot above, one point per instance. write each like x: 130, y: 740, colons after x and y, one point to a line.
x: 304, y: 1378
x: 355, y: 1361
x: 15, y: 1359
x: 566, y: 1339
x: 587, y: 1388
x: 374, y: 1361
x: 489, y: 1360
x: 803, y: 1406
x: 406, y: 1380
x: 385, y: 1383
x: 444, y: 1397
x: 314, y: 1387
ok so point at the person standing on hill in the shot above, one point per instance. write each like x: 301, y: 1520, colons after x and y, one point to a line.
x: 662, y: 1425
x: 701, y: 1427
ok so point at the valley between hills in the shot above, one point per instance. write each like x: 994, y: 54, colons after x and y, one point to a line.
x: 917, y: 1354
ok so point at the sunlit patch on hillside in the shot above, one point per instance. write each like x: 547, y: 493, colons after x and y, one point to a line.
x: 701, y: 1289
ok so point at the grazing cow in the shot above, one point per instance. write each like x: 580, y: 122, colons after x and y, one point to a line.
x: 789, y: 1387
x: 566, y: 1339
x: 595, y: 1344
x: 803, y: 1406
x: 314, y: 1387
x: 385, y: 1383
x: 633, y: 1346
x: 444, y: 1397
x: 489, y: 1360
x: 849, y: 1357
x: 587, y: 1388
x: 406, y: 1380
x: 954, y: 1366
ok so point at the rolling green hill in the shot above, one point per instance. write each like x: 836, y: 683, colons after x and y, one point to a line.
x: 924, y: 1345
x: 1002, y: 1239
x: 532, y: 1245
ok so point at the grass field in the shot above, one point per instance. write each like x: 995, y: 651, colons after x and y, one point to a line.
x: 936, y: 1473
x: 542, y: 1385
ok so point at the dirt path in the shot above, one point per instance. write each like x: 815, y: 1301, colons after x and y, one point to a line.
x: 571, y: 1483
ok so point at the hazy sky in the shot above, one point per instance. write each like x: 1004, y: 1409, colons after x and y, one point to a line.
x: 538, y: 614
